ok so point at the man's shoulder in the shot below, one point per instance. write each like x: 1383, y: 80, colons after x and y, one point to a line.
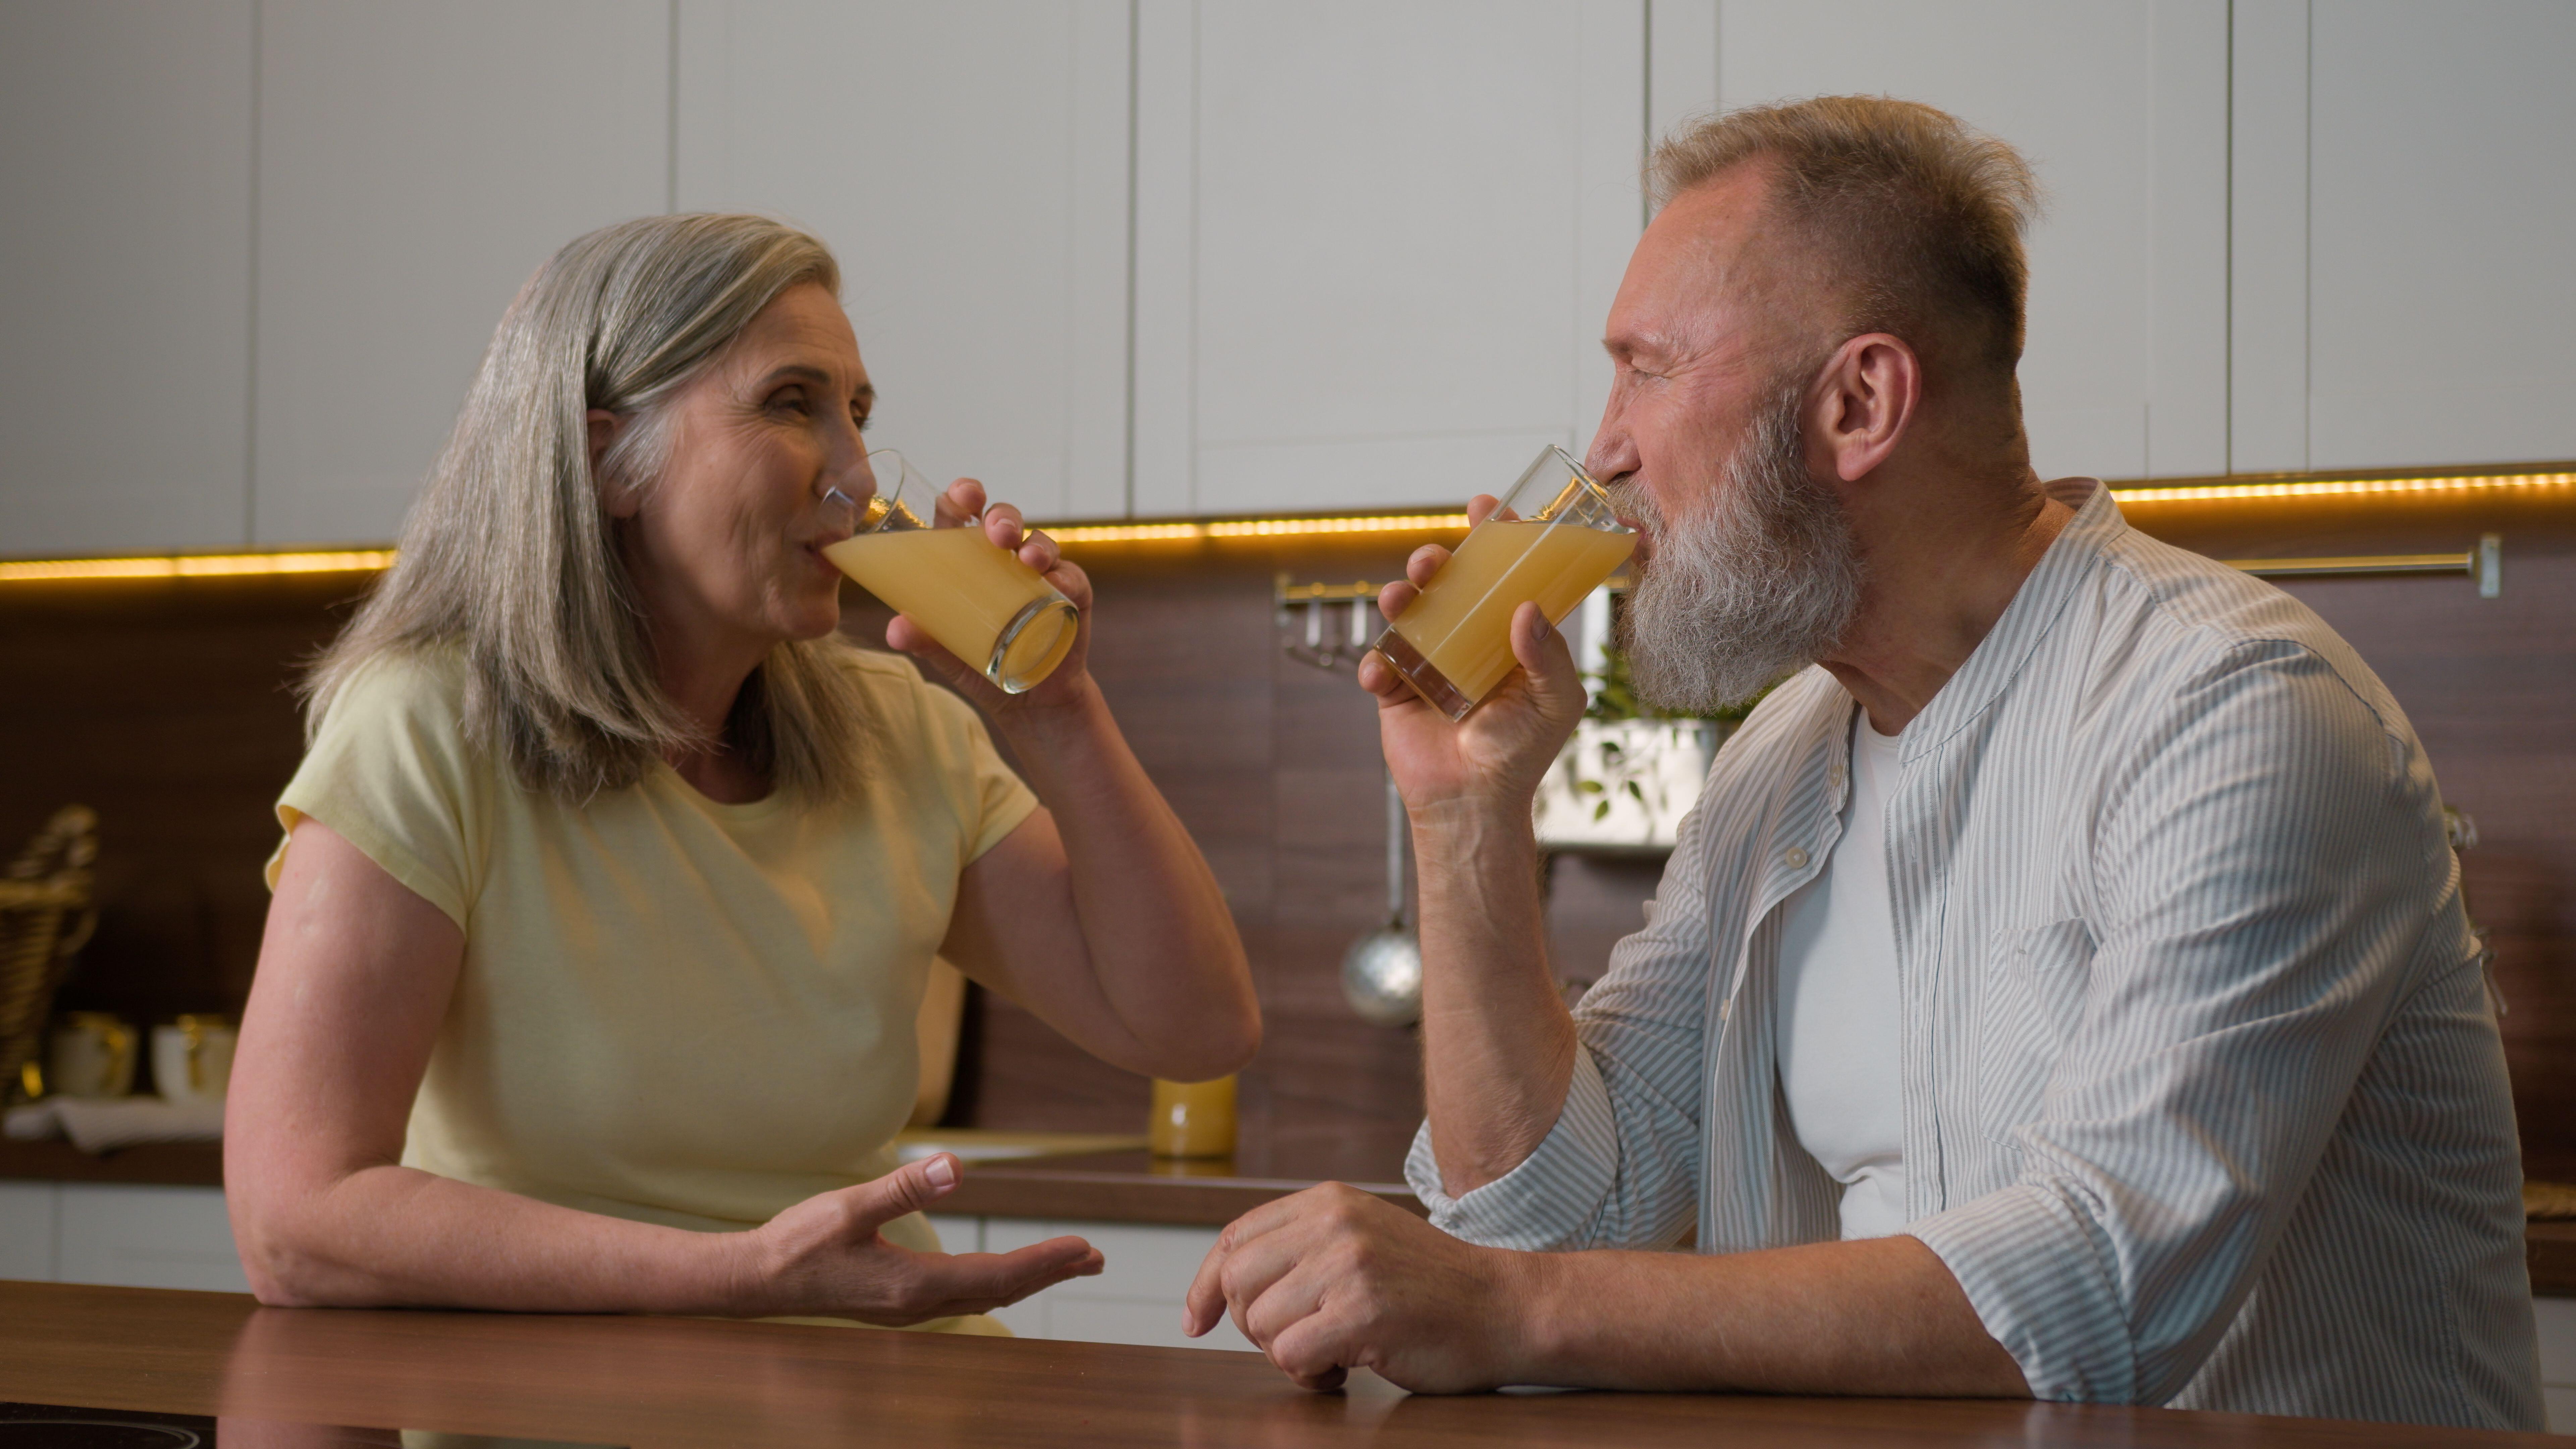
x: 2192, y: 621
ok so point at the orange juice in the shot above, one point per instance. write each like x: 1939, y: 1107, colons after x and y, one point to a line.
x: 1459, y: 631
x: 979, y: 601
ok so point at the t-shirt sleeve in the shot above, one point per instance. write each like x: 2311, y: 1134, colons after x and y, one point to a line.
x: 991, y: 801
x: 390, y: 773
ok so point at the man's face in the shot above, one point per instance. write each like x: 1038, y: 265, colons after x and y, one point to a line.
x: 1751, y: 570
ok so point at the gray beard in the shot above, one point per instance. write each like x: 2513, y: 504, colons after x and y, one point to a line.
x: 1760, y: 580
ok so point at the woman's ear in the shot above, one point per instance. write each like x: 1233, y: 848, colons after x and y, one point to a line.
x: 603, y: 428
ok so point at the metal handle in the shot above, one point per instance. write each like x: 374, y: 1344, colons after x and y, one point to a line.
x: 1395, y: 833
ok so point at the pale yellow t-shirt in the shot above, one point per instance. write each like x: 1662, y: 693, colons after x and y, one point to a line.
x: 671, y: 1010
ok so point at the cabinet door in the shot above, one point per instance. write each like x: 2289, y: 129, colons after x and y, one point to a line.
x: 2121, y: 107
x: 147, y: 1237
x: 1375, y: 242
x: 27, y: 1212
x: 2442, y: 196
x: 417, y: 163
x: 125, y: 138
x: 967, y: 162
x: 1135, y: 1299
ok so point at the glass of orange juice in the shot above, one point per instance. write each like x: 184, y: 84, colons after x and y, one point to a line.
x: 978, y: 600
x: 1554, y: 540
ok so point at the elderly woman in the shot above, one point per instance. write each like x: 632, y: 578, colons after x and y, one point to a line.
x: 613, y: 877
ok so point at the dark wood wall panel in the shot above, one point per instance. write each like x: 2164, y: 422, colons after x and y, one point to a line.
x: 165, y: 706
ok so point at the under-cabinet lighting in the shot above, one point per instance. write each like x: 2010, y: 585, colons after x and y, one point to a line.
x: 1257, y: 528
x: 2322, y: 487
x: 238, y: 565
x: 197, y: 565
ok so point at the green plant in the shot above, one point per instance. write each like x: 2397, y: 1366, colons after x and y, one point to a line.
x: 1614, y: 697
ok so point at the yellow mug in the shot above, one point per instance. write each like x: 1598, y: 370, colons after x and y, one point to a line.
x: 1192, y: 1119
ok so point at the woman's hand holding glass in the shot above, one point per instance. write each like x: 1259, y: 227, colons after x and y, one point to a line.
x: 963, y: 503
x: 825, y: 1257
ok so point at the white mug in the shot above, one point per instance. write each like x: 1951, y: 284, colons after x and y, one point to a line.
x: 192, y: 1059
x: 93, y: 1056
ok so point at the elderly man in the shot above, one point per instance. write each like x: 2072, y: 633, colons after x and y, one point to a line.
x: 2061, y: 990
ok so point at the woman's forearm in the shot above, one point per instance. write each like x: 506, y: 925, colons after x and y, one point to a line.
x: 392, y: 1236
x: 1161, y: 942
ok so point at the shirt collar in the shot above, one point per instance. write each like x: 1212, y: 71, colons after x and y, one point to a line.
x: 1999, y: 657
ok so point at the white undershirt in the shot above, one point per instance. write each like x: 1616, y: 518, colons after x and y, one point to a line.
x: 1838, y: 1011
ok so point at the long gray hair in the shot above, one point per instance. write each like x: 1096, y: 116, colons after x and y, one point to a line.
x: 510, y: 558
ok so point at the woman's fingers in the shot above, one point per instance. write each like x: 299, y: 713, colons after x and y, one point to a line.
x: 907, y: 1189
x: 959, y: 502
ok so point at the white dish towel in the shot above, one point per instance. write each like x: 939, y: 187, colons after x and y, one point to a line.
x: 106, y: 1124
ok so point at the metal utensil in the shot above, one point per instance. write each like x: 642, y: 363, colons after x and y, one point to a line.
x: 1382, y: 972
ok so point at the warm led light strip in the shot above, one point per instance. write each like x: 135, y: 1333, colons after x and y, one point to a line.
x: 236, y: 565
x: 1256, y: 528
x: 198, y: 566
x: 2342, y: 485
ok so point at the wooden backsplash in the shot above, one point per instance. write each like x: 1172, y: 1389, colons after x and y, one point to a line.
x: 166, y: 706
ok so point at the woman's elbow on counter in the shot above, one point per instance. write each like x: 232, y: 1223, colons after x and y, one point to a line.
x: 283, y: 1272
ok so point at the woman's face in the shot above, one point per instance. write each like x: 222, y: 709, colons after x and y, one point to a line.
x: 726, y: 546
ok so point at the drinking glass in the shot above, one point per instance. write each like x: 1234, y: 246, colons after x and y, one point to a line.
x: 978, y: 600
x: 1554, y: 539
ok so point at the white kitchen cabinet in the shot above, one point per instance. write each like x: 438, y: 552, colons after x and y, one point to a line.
x: 1135, y: 1299
x: 2556, y: 1319
x: 416, y: 164
x: 125, y: 275
x: 2442, y: 193
x: 967, y: 163
x: 1375, y: 243
x: 27, y: 1214
x: 133, y: 1236
x: 2121, y: 107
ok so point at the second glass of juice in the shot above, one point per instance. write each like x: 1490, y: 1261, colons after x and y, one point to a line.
x: 978, y: 600
x: 1554, y: 540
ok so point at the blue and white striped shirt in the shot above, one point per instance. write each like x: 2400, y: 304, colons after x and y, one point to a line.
x: 2204, y: 1103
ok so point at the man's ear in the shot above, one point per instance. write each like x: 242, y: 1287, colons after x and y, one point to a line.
x: 1867, y: 396
x: 603, y: 428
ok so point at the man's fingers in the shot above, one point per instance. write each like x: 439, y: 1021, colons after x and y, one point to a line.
x: 1316, y: 1352
x: 1419, y: 566
x: 1481, y: 507
x: 1205, y: 1301
x: 1395, y: 598
x: 1554, y: 680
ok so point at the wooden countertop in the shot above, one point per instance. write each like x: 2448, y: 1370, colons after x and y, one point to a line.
x: 678, y: 1383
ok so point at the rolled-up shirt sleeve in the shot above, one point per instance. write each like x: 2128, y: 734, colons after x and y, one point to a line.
x: 1620, y: 1168
x: 2257, y: 919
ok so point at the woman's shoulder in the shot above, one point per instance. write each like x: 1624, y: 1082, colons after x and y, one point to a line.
x: 420, y: 685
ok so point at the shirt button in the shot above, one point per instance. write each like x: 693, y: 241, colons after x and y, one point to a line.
x: 1797, y: 857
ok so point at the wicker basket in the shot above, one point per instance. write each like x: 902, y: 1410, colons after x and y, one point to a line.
x: 46, y: 915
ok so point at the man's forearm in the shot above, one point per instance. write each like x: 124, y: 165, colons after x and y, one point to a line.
x: 1498, y: 1045
x: 1879, y: 1316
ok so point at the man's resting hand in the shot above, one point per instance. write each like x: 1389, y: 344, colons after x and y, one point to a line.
x: 1334, y: 1279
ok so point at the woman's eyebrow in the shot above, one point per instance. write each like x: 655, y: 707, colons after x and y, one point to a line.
x: 864, y: 396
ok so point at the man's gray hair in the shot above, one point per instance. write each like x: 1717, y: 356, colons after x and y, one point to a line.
x: 1917, y: 218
